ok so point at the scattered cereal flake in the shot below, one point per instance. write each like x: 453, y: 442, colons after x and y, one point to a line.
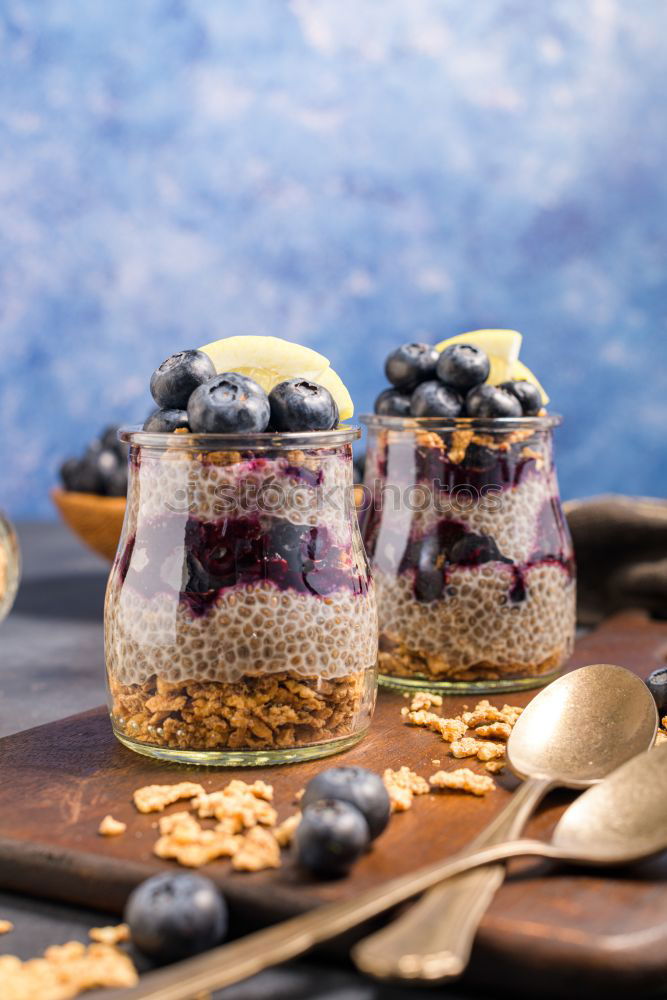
x: 110, y: 935
x: 490, y: 751
x: 402, y: 785
x: 284, y: 833
x: 425, y: 699
x: 154, y: 798
x: 449, y: 729
x: 259, y: 850
x: 6, y: 926
x: 184, y: 840
x: 466, y: 747
x: 495, y: 731
x: 436, y: 762
x: 405, y: 711
x: 484, y: 712
x: 238, y: 806
x: 65, y: 971
x: 495, y: 766
x: 298, y: 795
x: 110, y: 827
x: 462, y: 780
x: 511, y: 714
x: 664, y: 722
x: 661, y: 737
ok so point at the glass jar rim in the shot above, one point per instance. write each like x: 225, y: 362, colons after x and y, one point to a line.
x: 488, y: 425
x: 266, y: 441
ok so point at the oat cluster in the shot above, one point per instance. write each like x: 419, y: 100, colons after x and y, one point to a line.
x: 237, y: 822
x: 110, y: 827
x: 462, y: 780
x: 491, y: 728
x: 402, y: 786
x: 65, y: 971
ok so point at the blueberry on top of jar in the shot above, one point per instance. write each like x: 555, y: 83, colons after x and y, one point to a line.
x: 492, y: 401
x: 176, y: 379
x: 229, y: 404
x: 433, y: 399
x: 392, y: 403
x: 411, y: 364
x: 300, y: 405
x: 463, y: 366
x: 527, y: 394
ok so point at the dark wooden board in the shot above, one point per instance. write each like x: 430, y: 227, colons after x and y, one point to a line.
x: 582, y: 931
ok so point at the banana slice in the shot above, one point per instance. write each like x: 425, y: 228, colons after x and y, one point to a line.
x: 270, y: 360
x: 502, y: 344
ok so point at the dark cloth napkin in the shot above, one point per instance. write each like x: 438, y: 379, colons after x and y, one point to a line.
x: 621, y: 549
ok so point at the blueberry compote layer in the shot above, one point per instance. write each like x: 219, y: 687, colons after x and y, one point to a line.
x: 241, y: 613
x: 471, y: 554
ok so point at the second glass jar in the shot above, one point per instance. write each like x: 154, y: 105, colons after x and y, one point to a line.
x: 470, y: 552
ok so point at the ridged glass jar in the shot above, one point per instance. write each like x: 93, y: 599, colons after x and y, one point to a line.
x: 470, y: 551
x: 10, y: 566
x: 240, y: 617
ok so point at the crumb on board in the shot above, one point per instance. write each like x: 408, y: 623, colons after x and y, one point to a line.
x: 259, y: 849
x: 110, y: 827
x: 65, y: 971
x: 6, y: 926
x: 112, y: 935
x: 154, y: 798
x: 402, y: 786
x: 436, y: 762
x: 495, y: 766
x: 462, y: 780
x: 284, y: 832
x: 449, y: 729
x: 183, y: 839
x: 494, y: 731
x: 238, y: 806
x: 425, y: 699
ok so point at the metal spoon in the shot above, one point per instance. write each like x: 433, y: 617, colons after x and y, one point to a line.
x: 621, y: 820
x: 572, y: 734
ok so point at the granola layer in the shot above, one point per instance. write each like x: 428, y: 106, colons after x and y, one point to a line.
x: 269, y: 712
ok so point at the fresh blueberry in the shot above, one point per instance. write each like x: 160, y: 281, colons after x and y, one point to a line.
x: 109, y: 439
x: 116, y: 484
x: 657, y: 685
x: 167, y: 421
x: 175, y: 916
x: 527, y: 394
x: 356, y: 786
x: 229, y: 404
x: 392, y: 403
x: 299, y: 405
x: 330, y: 837
x: 411, y: 364
x: 433, y: 399
x: 463, y: 366
x: 471, y: 550
x: 176, y: 379
x: 430, y: 576
x: 69, y: 474
x: 492, y: 401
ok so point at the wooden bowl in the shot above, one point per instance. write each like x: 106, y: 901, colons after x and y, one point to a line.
x: 96, y: 520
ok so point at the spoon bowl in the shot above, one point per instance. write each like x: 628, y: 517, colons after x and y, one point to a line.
x: 623, y: 818
x: 583, y: 726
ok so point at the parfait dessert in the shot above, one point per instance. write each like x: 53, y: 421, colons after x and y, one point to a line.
x: 240, y: 619
x: 462, y: 521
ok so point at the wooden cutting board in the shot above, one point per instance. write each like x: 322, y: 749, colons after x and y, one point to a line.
x: 583, y: 932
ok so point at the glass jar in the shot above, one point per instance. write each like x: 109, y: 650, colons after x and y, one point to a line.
x: 10, y: 566
x: 240, y: 617
x: 470, y: 551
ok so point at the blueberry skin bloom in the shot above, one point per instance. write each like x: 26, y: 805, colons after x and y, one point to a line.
x: 176, y: 379
x: 356, y: 786
x: 433, y: 399
x: 463, y: 366
x: 167, y: 421
x: 174, y: 916
x: 392, y: 403
x: 229, y: 404
x: 299, y: 405
x: 492, y: 401
x: 409, y: 365
x: 330, y: 837
x: 527, y: 394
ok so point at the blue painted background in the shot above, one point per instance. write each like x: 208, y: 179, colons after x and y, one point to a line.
x: 346, y: 173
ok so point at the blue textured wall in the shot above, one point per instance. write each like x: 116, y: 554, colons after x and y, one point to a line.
x: 346, y: 173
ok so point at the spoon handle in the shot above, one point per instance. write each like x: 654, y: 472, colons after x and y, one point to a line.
x: 433, y: 939
x: 249, y: 955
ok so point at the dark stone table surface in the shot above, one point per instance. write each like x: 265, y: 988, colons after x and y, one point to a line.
x: 52, y: 665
